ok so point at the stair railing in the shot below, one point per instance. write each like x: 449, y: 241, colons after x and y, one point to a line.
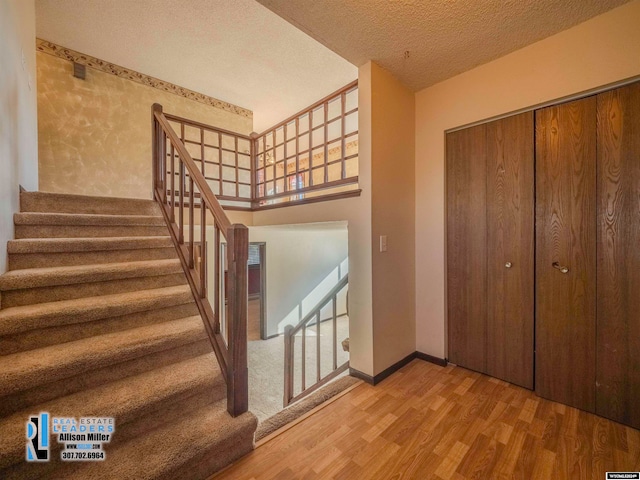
x: 224, y: 309
x: 313, y: 318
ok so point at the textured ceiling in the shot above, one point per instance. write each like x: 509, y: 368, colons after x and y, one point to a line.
x: 443, y: 37
x: 234, y: 50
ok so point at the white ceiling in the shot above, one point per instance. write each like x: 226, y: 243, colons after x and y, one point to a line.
x: 443, y: 37
x: 234, y: 50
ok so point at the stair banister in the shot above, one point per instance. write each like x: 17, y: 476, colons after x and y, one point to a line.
x: 231, y: 351
x: 289, y: 338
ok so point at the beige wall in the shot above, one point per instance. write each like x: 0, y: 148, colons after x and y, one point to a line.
x: 602, y: 50
x: 18, y: 122
x: 95, y: 134
x: 392, y: 213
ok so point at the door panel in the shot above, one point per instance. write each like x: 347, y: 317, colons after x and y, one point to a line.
x: 618, y: 304
x: 466, y: 247
x: 510, y: 247
x: 566, y: 234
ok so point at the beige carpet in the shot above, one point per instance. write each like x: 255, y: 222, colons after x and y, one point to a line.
x: 266, y: 366
x: 97, y: 319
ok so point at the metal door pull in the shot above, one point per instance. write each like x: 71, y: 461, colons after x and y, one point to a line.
x: 562, y: 268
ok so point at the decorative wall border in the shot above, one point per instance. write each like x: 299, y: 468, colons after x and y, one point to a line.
x: 106, y: 67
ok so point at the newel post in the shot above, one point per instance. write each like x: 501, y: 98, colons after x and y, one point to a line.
x: 237, y: 379
x: 156, y: 150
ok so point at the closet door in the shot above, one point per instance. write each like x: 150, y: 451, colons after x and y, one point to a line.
x: 618, y: 354
x: 566, y: 253
x: 467, y: 247
x: 510, y: 246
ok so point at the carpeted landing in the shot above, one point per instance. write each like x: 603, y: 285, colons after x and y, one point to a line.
x: 97, y: 320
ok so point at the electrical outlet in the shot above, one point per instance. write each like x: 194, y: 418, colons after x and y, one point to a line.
x: 383, y: 243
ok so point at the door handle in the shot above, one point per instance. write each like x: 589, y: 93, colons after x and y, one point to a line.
x: 562, y: 268
x: 508, y: 265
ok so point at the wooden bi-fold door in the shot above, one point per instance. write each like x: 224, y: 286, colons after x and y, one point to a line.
x: 618, y: 302
x: 566, y: 253
x: 490, y: 194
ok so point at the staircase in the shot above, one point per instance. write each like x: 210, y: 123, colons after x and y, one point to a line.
x: 97, y: 319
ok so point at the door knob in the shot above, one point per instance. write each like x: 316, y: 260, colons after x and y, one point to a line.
x: 508, y: 265
x: 562, y: 268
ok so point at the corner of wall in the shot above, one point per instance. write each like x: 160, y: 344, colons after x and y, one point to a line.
x: 18, y: 111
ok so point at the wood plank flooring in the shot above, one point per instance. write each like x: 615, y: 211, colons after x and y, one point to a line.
x: 428, y: 422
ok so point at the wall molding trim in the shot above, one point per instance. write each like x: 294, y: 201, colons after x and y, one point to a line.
x: 103, y: 66
x: 396, y: 366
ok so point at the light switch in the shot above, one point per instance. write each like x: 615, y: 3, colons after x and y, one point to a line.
x: 383, y: 243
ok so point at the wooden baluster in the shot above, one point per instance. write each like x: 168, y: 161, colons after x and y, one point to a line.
x: 218, y: 273
x: 237, y: 381
x: 297, y: 152
x: 318, y: 346
x: 237, y: 176
x: 164, y: 167
x: 335, y: 332
x: 275, y: 171
x: 286, y: 178
x: 191, y: 212
x: 310, y: 172
x: 181, y: 202
x: 173, y: 187
x: 203, y: 247
x: 220, y: 163
x: 303, y: 384
x: 326, y: 142
x: 202, y: 152
x: 343, y: 142
x: 288, y: 364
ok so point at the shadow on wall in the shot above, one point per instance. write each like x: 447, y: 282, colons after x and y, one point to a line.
x: 304, y: 262
x: 309, y: 302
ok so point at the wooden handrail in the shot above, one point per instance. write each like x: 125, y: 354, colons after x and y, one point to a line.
x: 289, y: 337
x: 204, y: 126
x: 225, y: 317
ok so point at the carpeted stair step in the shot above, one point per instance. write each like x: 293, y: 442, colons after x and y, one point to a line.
x: 193, y: 448
x: 127, y: 400
x: 65, y: 225
x: 39, y: 285
x: 29, y: 369
x: 50, y: 252
x: 65, y: 203
x: 99, y: 376
x: 31, y: 317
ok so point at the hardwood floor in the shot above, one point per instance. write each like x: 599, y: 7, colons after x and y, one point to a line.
x: 427, y: 421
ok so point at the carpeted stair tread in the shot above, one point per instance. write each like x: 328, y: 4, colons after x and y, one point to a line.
x: 89, y: 244
x: 206, y: 436
x: 40, y: 218
x: 27, y: 369
x: 67, y: 203
x: 70, y: 275
x: 125, y: 400
x: 42, y: 315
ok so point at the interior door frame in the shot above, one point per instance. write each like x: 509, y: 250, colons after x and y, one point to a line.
x: 262, y: 248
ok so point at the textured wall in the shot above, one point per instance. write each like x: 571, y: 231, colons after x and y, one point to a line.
x: 595, y: 53
x: 95, y: 134
x: 18, y: 124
